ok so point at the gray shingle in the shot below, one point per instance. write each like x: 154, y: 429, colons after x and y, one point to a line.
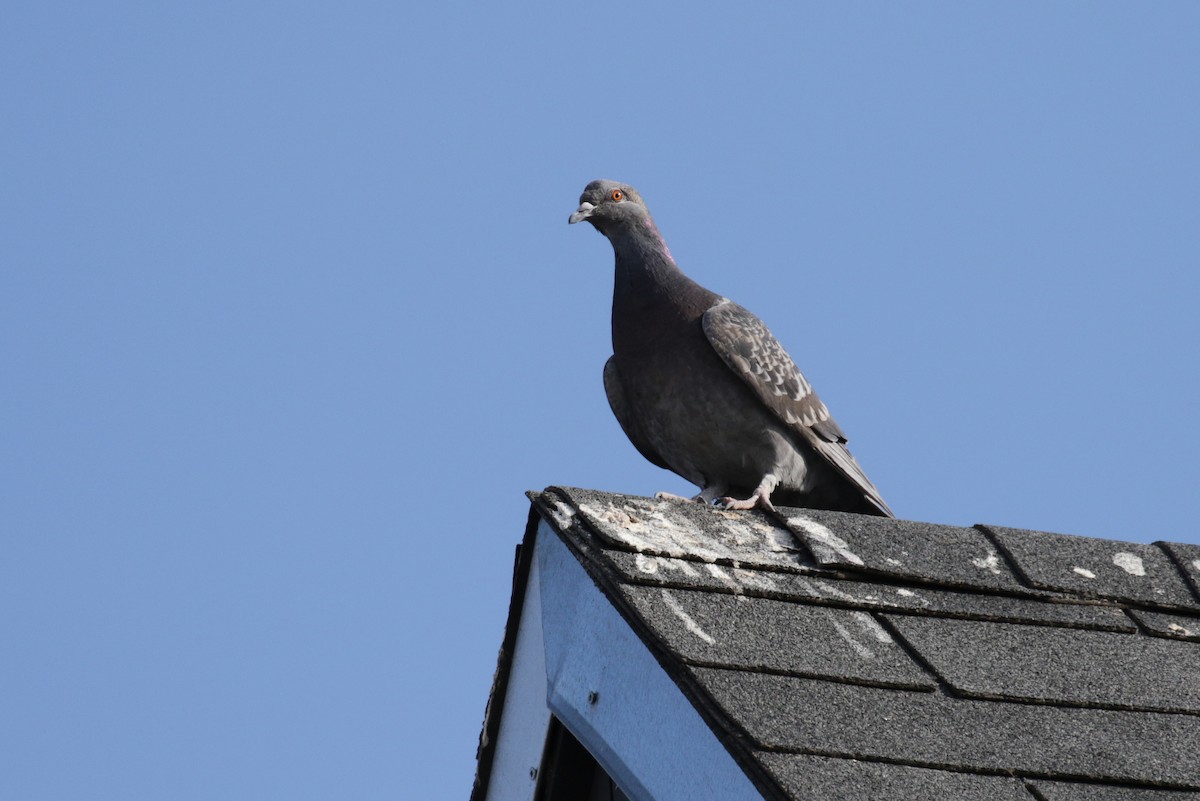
x: 671, y: 572
x: 1039, y: 663
x: 1063, y: 791
x: 932, y: 730
x: 757, y: 633
x: 814, y: 778
x: 1188, y: 557
x: 675, y: 528
x: 919, y: 551
x: 1095, y: 567
x: 1178, y: 627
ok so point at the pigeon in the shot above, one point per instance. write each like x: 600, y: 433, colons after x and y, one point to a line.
x: 703, y: 389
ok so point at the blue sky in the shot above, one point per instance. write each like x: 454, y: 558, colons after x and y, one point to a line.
x: 291, y: 316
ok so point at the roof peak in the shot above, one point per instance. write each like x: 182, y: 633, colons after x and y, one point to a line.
x: 984, y: 558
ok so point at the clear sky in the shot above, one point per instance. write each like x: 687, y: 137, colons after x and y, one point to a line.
x: 291, y: 316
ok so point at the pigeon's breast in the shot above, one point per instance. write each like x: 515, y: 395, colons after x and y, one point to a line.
x: 701, y: 418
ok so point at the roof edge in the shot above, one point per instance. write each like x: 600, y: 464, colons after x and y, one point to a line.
x: 494, y: 711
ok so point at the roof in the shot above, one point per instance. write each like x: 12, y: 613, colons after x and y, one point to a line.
x: 839, y: 656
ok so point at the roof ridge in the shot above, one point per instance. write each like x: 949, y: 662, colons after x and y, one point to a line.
x: 975, y: 559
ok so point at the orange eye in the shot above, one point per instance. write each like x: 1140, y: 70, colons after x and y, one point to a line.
x: 618, y: 195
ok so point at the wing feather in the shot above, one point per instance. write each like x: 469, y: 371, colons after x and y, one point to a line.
x: 749, y: 349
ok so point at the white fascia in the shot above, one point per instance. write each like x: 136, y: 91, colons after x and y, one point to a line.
x: 525, y: 717
x: 607, y: 688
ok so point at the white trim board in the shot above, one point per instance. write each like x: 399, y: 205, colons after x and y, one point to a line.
x: 641, y: 728
x: 522, y: 732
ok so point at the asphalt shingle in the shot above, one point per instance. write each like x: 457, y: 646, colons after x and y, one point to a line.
x: 871, y: 595
x: 814, y: 778
x: 1179, y: 627
x: 1044, y: 664
x: 921, y: 552
x: 675, y: 528
x: 1094, y: 567
x: 761, y: 634
x: 1188, y: 558
x: 931, y: 730
x: 1063, y: 791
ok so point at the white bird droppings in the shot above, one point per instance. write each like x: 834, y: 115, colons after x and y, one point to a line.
x: 825, y: 590
x: 660, y: 528
x: 1178, y: 629
x: 718, y: 573
x: 688, y: 622
x: 1083, y: 571
x: 645, y: 563
x: 991, y: 562
x: 873, y: 628
x: 827, y: 544
x: 1196, y: 563
x: 754, y: 579
x: 726, y: 579
x: 858, y: 647
x: 1130, y: 563
x: 564, y: 516
x: 905, y: 593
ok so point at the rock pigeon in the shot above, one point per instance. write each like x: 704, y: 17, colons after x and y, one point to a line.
x: 702, y: 388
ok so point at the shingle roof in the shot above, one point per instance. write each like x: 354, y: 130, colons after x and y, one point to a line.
x: 836, y: 655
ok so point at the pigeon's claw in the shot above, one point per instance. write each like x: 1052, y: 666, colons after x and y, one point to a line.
x: 760, y: 498
x: 754, y: 501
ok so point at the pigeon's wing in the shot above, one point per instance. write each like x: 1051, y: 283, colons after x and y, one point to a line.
x: 750, y: 350
x: 629, y: 423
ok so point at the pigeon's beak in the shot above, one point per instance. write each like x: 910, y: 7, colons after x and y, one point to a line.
x: 582, y: 213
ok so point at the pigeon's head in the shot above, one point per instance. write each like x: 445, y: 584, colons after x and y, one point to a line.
x: 611, y: 206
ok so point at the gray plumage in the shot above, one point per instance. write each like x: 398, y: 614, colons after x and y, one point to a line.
x: 702, y: 388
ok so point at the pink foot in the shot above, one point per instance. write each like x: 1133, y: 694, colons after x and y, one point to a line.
x: 754, y: 501
x: 761, y: 498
